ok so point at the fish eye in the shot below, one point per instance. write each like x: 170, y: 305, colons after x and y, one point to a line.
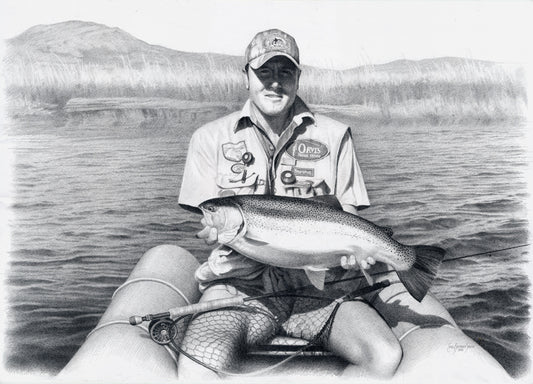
x: 211, y: 208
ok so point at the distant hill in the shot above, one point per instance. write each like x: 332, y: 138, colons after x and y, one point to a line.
x: 93, y: 43
x: 75, y: 41
x: 424, y: 65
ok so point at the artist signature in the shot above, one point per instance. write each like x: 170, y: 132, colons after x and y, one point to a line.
x: 454, y: 348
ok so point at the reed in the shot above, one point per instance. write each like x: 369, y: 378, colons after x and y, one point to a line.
x: 469, y: 91
x: 451, y: 93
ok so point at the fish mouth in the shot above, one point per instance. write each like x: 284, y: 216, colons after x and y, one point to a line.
x: 207, y: 214
x: 228, y: 223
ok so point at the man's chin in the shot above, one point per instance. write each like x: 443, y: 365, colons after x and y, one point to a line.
x: 275, y: 109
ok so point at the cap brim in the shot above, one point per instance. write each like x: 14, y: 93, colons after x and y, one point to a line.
x: 259, y: 61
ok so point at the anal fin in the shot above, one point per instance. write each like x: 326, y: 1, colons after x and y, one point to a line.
x: 316, y: 277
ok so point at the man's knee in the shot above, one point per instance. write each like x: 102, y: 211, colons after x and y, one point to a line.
x: 380, y: 356
x: 385, y: 356
x: 363, y: 338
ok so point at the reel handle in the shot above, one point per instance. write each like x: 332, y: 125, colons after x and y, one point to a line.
x: 136, y: 320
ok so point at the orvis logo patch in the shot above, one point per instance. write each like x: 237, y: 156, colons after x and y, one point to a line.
x: 307, y: 149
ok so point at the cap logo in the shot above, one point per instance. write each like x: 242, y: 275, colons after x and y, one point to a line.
x: 278, y: 43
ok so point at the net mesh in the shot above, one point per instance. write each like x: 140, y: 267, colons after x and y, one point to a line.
x: 220, y: 339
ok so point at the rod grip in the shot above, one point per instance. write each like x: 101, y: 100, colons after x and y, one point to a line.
x: 205, y: 306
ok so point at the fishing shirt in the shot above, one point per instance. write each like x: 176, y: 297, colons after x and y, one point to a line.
x: 233, y: 155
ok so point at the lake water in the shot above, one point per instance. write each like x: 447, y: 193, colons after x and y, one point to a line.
x: 93, y: 193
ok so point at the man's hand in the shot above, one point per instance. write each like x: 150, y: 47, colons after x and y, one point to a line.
x: 352, y: 262
x: 209, y: 234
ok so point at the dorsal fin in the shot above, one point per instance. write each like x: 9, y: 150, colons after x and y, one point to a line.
x: 330, y: 200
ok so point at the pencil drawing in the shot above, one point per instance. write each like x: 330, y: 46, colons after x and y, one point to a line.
x: 99, y: 123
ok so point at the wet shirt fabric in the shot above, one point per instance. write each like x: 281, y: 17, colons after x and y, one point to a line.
x: 233, y: 156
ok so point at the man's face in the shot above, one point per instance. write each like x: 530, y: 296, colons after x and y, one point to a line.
x: 273, y: 86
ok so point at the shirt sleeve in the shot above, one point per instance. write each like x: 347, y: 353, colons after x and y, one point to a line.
x: 199, y: 176
x: 350, y: 188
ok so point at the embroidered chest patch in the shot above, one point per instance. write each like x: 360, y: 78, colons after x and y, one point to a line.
x: 307, y: 149
x: 234, y: 151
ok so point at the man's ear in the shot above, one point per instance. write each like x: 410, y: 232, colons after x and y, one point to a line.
x: 298, y: 79
x: 246, y: 78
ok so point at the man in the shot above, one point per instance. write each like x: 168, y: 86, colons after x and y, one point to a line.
x: 276, y: 145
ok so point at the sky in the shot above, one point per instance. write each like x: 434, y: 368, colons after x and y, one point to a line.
x: 333, y: 34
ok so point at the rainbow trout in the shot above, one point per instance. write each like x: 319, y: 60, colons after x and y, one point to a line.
x: 313, y: 235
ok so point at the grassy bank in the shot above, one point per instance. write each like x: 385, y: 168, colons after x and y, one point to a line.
x: 440, y: 93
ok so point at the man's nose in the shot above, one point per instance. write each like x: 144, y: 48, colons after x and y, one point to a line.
x: 275, y: 80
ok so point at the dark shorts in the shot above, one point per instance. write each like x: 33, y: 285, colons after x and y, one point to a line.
x: 297, y: 310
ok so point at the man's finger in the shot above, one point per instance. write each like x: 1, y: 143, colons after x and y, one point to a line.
x: 352, y: 261
x: 344, y: 262
x: 370, y: 260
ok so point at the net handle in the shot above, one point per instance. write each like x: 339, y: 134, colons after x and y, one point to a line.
x: 205, y: 306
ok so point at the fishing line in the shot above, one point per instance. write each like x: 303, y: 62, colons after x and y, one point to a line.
x: 444, y: 261
x: 202, y: 307
x: 485, y: 253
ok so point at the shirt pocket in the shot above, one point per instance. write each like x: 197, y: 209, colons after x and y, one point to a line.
x: 236, y: 184
x: 307, y: 188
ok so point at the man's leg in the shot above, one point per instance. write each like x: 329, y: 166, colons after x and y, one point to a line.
x: 434, y: 347
x: 352, y: 330
x: 361, y: 336
x: 219, y: 339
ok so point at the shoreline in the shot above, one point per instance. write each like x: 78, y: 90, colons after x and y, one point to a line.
x: 163, y: 108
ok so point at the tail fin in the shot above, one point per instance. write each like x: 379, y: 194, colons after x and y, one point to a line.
x: 419, y: 278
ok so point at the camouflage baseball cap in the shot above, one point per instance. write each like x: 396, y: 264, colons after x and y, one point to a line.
x: 267, y: 44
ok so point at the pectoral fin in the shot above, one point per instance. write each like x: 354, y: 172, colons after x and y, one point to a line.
x: 228, y: 235
x: 316, y: 277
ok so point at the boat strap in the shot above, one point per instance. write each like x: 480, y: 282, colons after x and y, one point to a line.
x: 420, y: 326
x: 154, y: 280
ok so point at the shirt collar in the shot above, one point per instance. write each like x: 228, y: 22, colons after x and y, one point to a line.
x: 300, y: 112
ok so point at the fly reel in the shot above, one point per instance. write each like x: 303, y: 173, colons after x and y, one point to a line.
x: 163, y: 331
